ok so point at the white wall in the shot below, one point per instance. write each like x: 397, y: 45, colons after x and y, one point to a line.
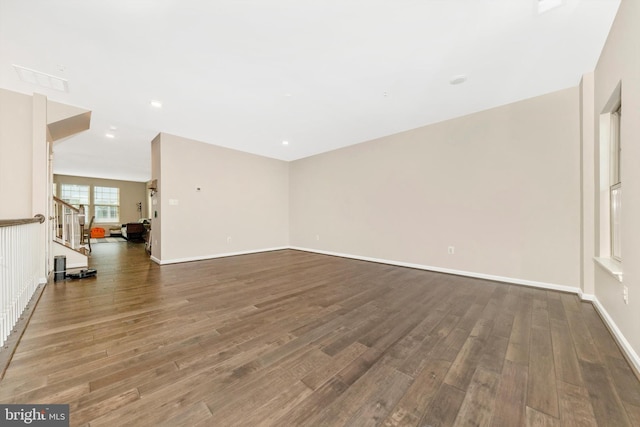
x: 620, y: 61
x: 242, y: 205
x: 587, y: 184
x: 502, y: 186
x: 24, y: 172
x: 16, y: 154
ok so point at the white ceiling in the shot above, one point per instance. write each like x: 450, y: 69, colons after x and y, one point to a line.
x: 248, y: 74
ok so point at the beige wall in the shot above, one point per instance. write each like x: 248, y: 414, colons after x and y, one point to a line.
x: 156, y: 218
x: 16, y: 154
x: 620, y: 61
x: 502, y: 186
x: 242, y: 205
x: 587, y: 184
x: 130, y: 194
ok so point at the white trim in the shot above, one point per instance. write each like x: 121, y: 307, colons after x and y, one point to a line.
x: 42, y: 281
x: 223, y: 255
x: 543, y: 285
x: 628, y: 350
x: 611, y: 266
x: 587, y: 297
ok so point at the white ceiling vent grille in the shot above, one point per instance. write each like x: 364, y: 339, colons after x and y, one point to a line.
x: 41, y: 79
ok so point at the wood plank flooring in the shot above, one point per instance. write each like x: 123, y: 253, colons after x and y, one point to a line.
x: 290, y: 338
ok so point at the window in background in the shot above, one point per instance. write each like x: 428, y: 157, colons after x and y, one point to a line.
x: 106, y: 201
x: 609, y: 190
x: 75, y: 195
x: 615, y: 188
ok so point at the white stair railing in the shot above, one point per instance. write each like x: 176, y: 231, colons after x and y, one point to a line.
x: 66, y: 222
x: 21, y: 258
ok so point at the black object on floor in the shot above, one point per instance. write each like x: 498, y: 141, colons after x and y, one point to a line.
x: 82, y: 274
x: 60, y: 267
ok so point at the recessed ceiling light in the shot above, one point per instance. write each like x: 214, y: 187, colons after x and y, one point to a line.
x: 156, y: 104
x: 285, y: 142
x: 456, y: 80
x: 109, y: 135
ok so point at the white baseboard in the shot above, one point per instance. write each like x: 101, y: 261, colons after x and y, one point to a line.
x: 586, y: 297
x: 205, y: 257
x: 515, y: 281
x: 632, y: 356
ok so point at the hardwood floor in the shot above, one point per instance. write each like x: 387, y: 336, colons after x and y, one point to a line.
x: 291, y: 338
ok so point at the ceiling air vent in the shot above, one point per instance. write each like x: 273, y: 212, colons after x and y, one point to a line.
x: 41, y: 79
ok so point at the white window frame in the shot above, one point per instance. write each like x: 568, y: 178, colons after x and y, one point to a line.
x: 100, y: 201
x: 73, y: 194
x: 609, y: 193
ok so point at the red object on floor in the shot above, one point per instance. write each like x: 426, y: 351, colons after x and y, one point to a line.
x: 97, y: 232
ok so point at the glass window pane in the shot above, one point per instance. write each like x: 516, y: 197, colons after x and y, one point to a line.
x: 107, y: 213
x: 75, y: 195
x: 616, y: 229
x: 106, y: 196
x: 106, y: 201
x: 615, y: 147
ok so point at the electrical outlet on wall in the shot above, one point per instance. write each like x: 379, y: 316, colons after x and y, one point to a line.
x: 451, y: 250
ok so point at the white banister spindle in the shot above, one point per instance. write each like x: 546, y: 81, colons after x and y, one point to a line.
x: 75, y: 230
x: 20, y: 258
x: 67, y: 225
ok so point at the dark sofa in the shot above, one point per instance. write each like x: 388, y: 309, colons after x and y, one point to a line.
x: 133, y: 231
